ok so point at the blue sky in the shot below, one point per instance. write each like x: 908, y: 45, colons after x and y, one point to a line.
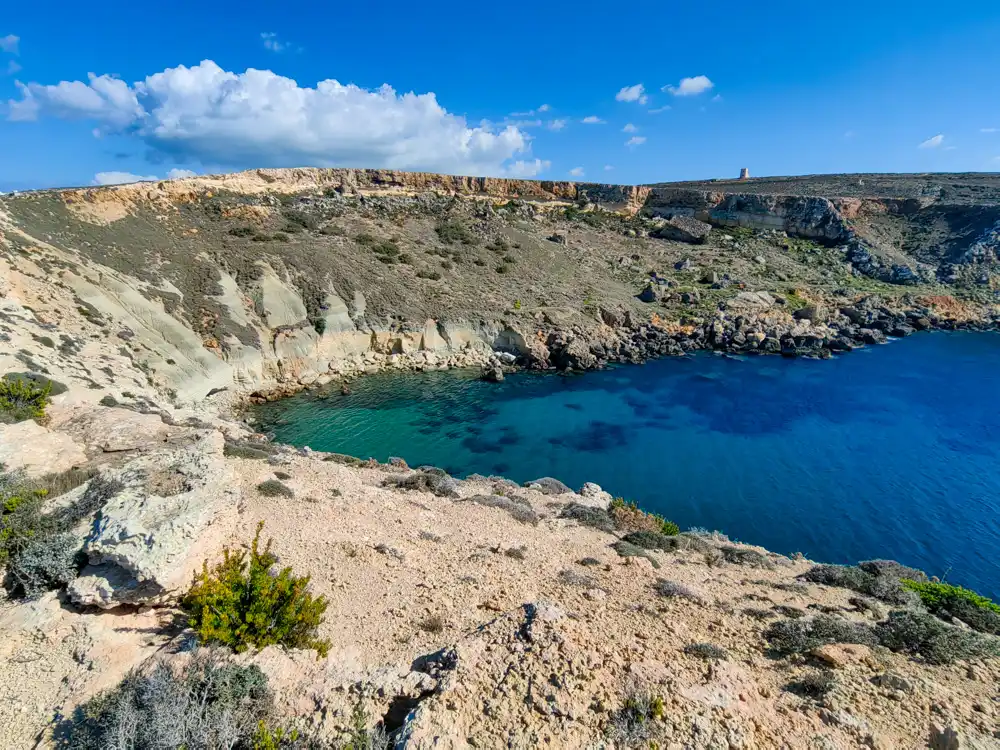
x: 92, y: 93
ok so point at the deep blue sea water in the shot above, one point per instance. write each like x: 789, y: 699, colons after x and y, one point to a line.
x: 888, y: 452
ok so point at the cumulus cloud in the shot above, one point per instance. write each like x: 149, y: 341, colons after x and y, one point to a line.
x: 10, y: 43
x: 608, y: 167
x: 12, y: 67
x: 576, y: 172
x: 690, y: 86
x: 178, y: 174
x: 629, y: 128
x: 258, y: 119
x: 635, y: 93
x: 933, y: 142
x: 556, y: 124
x: 527, y: 168
x: 635, y: 140
x: 592, y: 120
x: 657, y: 111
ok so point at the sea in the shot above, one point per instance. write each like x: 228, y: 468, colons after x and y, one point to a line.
x: 888, y: 452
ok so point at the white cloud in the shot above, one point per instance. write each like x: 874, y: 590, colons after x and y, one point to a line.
x: 635, y: 140
x: 541, y: 110
x: 109, y: 101
x: 635, y: 93
x: 630, y: 128
x: 576, y: 172
x: 608, y: 168
x: 717, y: 98
x: 989, y: 130
x: 592, y: 120
x: 659, y: 109
x: 556, y: 124
x: 258, y: 119
x: 950, y: 148
x: 690, y: 86
x: 121, y: 178
x: 527, y: 168
x: 272, y: 43
x: 10, y: 43
x: 934, y: 142
x: 12, y: 67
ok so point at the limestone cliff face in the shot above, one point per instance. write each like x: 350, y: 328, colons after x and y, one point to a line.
x: 625, y: 198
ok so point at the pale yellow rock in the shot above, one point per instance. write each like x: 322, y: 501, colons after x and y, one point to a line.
x: 39, y: 451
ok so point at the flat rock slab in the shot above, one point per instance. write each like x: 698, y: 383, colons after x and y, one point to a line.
x: 112, y: 429
x: 38, y: 450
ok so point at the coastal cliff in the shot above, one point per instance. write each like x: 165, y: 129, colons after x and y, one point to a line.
x: 474, y: 612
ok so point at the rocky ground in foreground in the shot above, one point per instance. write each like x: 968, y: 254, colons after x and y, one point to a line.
x: 461, y: 613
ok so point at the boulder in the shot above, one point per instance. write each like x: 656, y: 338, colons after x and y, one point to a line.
x: 114, y: 429
x: 812, y: 313
x: 684, y: 229
x: 548, y: 486
x: 750, y: 301
x: 593, y: 496
x: 144, y: 548
x: 651, y: 293
x: 39, y: 451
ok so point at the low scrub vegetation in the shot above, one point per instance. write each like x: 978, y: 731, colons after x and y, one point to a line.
x: 274, y: 488
x: 22, y: 398
x: 639, y: 721
x: 243, y: 604
x: 37, y: 547
x: 205, y: 704
x: 904, y: 631
x: 943, y: 599
x: 628, y: 517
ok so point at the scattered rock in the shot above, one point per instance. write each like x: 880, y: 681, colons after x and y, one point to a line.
x: 684, y: 229
x: 843, y: 655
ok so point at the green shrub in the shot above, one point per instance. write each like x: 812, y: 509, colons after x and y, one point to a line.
x: 242, y: 231
x: 280, y: 237
x: 432, y: 275
x: 502, y: 268
x: 243, y: 604
x: 974, y: 610
x: 241, y: 450
x: 799, y: 636
x: 650, y: 540
x: 814, y: 685
x: 204, y: 705
x: 597, y: 518
x: 23, y: 398
x: 21, y: 518
x: 455, y: 231
x: 879, y: 579
x: 274, y: 488
x: 624, y: 549
x: 365, y: 238
x: 919, y: 633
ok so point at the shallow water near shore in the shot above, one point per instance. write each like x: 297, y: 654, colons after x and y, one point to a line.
x: 888, y: 452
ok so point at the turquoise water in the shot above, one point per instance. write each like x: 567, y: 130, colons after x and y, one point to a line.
x: 889, y: 452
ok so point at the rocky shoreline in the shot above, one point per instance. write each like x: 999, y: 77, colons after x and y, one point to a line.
x: 755, y: 325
